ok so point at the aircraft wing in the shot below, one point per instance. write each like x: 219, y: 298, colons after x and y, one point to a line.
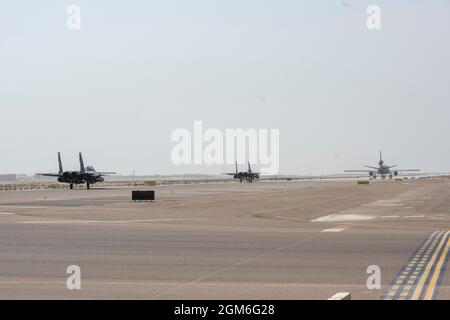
x: 230, y: 174
x: 358, y: 170
x: 47, y: 174
x: 405, y: 170
x: 105, y: 173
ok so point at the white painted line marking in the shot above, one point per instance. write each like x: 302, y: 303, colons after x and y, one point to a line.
x: 336, y: 229
x: 390, y: 217
x: 417, y: 216
x: 6, y: 213
x: 343, y: 217
x: 375, y: 204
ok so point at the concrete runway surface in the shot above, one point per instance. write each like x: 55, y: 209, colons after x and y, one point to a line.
x: 266, y: 240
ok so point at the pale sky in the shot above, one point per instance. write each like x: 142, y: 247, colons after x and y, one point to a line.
x: 138, y: 70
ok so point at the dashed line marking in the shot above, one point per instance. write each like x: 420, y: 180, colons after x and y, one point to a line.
x: 420, y: 277
x: 438, y: 271
x: 422, y: 284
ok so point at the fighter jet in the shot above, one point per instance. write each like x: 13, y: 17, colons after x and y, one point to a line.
x: 86, y: 175
x: 383, y: 170
x: 248, y: 176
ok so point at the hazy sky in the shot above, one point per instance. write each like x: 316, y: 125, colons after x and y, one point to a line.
x: 137, y: 70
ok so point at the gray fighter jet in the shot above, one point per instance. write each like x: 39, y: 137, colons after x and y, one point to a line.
x: 383, y: 170
x: 248, y: 176
x: 86, y: 175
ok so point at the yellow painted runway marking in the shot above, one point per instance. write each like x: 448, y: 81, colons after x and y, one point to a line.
x: 423, y: 278
x: 420, y: 277
x: 437, y: 272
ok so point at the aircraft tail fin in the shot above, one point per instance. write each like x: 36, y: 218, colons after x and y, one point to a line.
x: 249, y: 169
x: 60, y: 164
x: 236, y: 168
x: 82, y: 169
x: 381, y: 157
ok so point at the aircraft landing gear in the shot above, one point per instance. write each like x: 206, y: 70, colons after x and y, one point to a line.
x: 71, y: 186
x: 88, y: 185
x: 240, y: 180
x: 390, y: 176
x: 374, y: 176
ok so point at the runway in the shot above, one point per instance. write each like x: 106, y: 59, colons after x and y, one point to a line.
x: 266, y: 240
